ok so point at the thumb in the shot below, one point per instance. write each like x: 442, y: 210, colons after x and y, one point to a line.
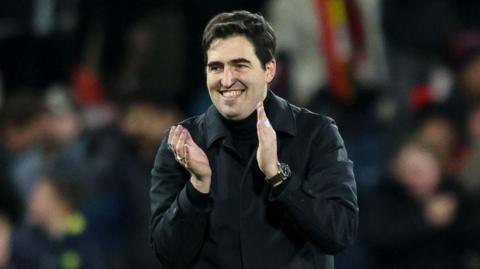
x: 259, y: 111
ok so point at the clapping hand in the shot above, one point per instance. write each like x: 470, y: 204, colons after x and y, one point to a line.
x: 190, y: 156
x: 267, y: 144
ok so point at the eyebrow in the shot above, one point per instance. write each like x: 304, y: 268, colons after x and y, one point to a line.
x: 234, y: 61
x: 216, y: 63
x: 240, y: 61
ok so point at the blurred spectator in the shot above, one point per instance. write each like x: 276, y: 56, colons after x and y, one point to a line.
x: 10, y: 209
x: 474, y: 125
x: 435, y: 128
x: 414, y: 217
x: 470, y: 79
x: 10, y: 203
x: 64, y: 121
x: 470, y: 179
x: 5, y: 234
x: 56, y: 233
x: 35, y: 130
x: 21, y: 121
x: 471, y: 172
x: 119, y: 208
x: 144, y: 122
x: 466, y: 92
x: 22, y: 129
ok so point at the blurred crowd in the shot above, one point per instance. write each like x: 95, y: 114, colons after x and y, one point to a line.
x: 87, y: 89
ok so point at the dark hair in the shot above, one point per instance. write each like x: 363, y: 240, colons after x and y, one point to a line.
x: 253, y: 26
x: 432, y: 112
x: 21, y: 109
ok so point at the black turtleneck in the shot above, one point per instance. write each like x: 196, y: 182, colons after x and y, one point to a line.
x: 244, y: 134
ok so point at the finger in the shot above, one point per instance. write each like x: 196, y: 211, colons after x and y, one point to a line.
x: 262, y: 116
x: 176, y: 137
x: 188, y: 138
x: 260, y: 132
x: 261, y: 126
x: 259, y: 118
x: 180, y: 143
x: 170, y: 135
x: 186, y: 155
x: 176, y: 134
x: 171, y: 140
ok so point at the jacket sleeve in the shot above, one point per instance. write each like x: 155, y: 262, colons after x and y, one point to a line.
x: 177, y: 226
x: 323, y: 202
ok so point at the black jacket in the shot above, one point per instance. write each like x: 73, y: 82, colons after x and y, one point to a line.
x: 246, y: 225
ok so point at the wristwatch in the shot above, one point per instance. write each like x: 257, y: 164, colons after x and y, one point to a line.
x: 283, y: 173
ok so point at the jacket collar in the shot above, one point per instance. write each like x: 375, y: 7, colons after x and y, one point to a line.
x: 278, y: 112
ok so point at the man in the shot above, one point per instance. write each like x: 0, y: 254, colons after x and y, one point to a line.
x: 254, y: 182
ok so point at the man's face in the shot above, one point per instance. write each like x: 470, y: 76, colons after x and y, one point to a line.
x: 236, y: 80
x: 418, y: 171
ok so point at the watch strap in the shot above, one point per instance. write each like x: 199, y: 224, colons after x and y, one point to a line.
x: 276, y: 180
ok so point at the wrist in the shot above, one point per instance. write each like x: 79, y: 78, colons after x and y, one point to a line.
x: 201, y: 185
x: 282, y: 174
x: 271, y: 172
x: 198, y: 199
x: 272, y: 169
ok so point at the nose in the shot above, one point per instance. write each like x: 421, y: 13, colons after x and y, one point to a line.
x: 228, y: 78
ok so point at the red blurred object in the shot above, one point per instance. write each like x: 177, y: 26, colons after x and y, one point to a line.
x: 341, y: 27
x: 421, y: 95
x: 87, y: 88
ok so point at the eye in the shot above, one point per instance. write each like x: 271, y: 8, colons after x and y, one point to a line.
x: 215, y: 68
x: 241, y: 66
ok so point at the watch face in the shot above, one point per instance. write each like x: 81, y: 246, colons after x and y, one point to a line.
x: 285, y: 170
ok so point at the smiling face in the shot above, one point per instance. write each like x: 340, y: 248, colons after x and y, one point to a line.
x: 236, y: 80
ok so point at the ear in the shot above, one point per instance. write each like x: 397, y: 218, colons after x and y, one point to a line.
x: 270, y: 69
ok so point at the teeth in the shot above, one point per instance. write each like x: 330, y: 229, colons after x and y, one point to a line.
x: 231, y: 93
